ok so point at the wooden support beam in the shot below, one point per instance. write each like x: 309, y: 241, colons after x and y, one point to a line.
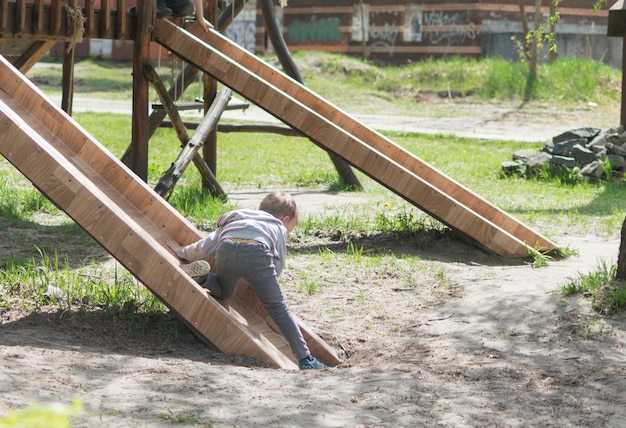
x: 167, y: 102
x: 4, y: 16
x: 183, y: 80
x: 139, y: 146
x: 90, y: 16
x: 38, y: 15
x: 168, y: 181
x: 121, y: 29
x: 289, y: 66
x: 253, y: 128
x: 258, y: 128
x: 20, y: 17
x: 190, y: 150
x: 56, y: 17
x: 209, y: 151
x: 67, y: 80
x: 34, y: 53
x: 232, y: 9
x: 105, y: 19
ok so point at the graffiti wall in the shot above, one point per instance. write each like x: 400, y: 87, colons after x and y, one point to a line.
x: 398, y: 32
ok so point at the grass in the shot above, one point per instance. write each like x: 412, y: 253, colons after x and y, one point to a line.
x: 607, y: 295
x: 351, y: 83
x: 266, y: 160
x: 493, y: 79
x: 552, y: 205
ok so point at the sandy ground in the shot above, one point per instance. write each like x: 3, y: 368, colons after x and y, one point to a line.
x: 495, y: 347
x: 492, y: 345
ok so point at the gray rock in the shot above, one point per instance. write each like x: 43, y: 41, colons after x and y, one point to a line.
x: 614, y: 149
x: 617, y: 162
x: 587, y: 148
x: 593, y: 170
x: 600, y: 140
x: 538, y: 160
x: 587, y: 134
x: 514, y: 167
x: 564, y: 148
x: 522, y: 155
x: 583, y: 155
x: 563, y: 161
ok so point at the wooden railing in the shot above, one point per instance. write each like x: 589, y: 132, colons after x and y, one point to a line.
x: 66, y: 19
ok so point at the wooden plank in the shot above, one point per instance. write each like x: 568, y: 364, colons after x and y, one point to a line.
x: 20, y: 17
x: 121, y: 27
x: 72, y: 179
x: 89, y: 13
x: 106, y: 30
x: 141, y: 54
x: 38, y: 18
x: 129, y: 219
x: 67, y: 79
x: 190, y: 145
x: 377, y: 141
x: 34, y: 53
x: 56, y: 17
x: 191, y: 105
x: 4, y: 16
x: 330, y: 133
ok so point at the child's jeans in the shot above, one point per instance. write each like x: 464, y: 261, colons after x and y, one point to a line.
x: 253, y: 262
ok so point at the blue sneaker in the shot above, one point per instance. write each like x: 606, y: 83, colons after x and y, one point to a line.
x: 311, y: 363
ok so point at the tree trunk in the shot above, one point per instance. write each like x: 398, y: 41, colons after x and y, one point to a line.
x: 534, y: 44
x: 621, y: 258
x: 553, y: 51
x: 525, y: 29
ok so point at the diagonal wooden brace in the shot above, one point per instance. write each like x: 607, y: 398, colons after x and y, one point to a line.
x: 190, y: 145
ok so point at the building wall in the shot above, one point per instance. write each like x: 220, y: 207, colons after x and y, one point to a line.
x: 397, y: 32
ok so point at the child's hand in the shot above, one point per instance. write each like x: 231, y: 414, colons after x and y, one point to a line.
x: 205, y: 25
x: 174, y: 246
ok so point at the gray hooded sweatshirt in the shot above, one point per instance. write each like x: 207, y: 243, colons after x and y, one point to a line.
x: 243, y: 224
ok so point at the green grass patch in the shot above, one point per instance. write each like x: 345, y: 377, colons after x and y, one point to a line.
x: 347, y: 80
x: 607, y: 294
x: 264, y: 160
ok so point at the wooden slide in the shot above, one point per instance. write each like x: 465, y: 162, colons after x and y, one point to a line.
x: 370, y: 152
x: 130, y: 221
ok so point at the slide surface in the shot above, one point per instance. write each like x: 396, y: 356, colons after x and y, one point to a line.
x: 370, y: 152
x: 130, y: 221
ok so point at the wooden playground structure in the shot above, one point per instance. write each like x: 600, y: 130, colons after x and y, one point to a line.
x: 109, y: 198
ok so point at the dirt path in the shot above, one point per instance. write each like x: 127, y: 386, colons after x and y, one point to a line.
x: 492, y: 345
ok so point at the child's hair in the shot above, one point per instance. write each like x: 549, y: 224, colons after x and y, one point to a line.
x: 279, y: 204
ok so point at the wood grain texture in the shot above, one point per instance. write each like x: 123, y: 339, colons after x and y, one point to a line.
x: 125, y: 216
x: 378, y: 142
x: 370, y: 152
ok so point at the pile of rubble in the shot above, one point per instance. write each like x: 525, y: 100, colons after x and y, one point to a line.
x: 587, y: 151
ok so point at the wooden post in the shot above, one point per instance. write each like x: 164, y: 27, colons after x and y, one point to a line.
x: 190, y: 150
x: 183, y: 80
x: 139, y: 145
x: 166, y: 184
x: 67, y: 80
x: 289, y: 66
x: 209, y: 151
x: 623, y: 109
x: 617, y: 28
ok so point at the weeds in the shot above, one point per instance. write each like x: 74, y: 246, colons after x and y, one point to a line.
x: 607, y: 295
x: 45, y: 281
x: 291, y: 162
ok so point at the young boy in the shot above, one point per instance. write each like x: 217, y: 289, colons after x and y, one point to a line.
x: 252, y: 245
